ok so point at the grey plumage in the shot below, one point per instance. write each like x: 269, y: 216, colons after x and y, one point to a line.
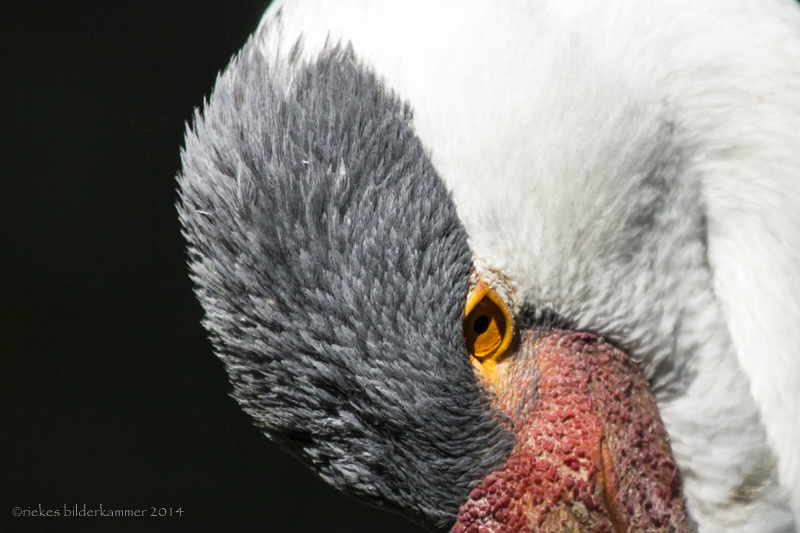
x: 332, y: 268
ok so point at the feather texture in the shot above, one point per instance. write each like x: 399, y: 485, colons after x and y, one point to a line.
x: 332, y: 268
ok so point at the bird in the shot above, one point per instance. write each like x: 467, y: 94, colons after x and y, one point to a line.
x: 514, y: 266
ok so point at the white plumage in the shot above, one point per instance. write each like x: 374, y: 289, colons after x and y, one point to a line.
x: 635, y: 167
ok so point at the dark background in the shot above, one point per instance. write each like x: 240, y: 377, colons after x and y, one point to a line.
x: 110, y: 392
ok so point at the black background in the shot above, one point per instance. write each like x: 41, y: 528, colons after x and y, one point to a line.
x: 110, y: 392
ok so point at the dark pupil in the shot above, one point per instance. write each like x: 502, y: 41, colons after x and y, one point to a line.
x: 481, y: 324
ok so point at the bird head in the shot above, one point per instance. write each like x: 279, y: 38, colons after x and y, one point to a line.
x: 365, y: 338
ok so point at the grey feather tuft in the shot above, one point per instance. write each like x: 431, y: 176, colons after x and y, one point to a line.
x: 332, y: 268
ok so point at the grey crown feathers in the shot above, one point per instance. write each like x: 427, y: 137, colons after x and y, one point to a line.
x: 333, y: 269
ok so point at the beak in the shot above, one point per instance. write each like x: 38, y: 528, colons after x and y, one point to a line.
x: 591, y: 452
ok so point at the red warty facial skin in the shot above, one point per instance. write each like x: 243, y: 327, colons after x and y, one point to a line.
x: 592, y: 454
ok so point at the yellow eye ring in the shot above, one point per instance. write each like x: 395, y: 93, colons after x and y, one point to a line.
x: 488, y: 326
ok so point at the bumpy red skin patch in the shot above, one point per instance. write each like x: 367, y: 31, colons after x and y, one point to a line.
x: 592, y: 454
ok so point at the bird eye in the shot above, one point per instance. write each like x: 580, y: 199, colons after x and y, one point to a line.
x: 487, y: 323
